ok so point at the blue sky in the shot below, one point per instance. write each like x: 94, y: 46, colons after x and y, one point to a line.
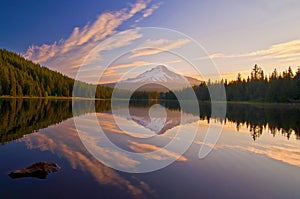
x: 236, y: 34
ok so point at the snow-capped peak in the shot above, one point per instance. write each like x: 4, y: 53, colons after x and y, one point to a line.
x: 159, y: 73
x: 159, y: 79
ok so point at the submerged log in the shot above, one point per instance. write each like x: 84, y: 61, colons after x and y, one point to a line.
x: 37, y: 170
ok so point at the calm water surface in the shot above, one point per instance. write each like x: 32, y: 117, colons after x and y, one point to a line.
x: 257, y: 155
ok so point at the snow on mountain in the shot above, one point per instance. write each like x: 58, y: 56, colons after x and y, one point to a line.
x: 158, y: 74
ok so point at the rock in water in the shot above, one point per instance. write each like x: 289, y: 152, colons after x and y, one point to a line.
x: 37, y: 170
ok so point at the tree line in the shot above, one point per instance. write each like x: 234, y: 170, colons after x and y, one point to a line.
x: 275, y: 88
x: 21, y: 77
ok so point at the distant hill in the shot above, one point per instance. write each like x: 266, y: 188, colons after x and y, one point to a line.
x: 22, y: 77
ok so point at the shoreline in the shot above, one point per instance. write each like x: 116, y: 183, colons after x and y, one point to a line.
x: 266, y: 104
x: 49, y: 97
x: 297, y: 104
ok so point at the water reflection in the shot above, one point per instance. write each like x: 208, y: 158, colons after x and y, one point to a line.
x: 158, y: 119
x: 63, y: 141
x: 286, y: 153
x: 277, y: 119
x: 127, y: 159
x: 263, y: 167
x: 23, y: 116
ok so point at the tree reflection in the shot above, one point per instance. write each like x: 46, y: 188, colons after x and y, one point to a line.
x: 256, y: 131
x: 23, y: 116
x: 277, y: 118
x: 282, y: 119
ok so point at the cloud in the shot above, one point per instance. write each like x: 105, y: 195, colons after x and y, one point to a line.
x: 111, y: 71
x: 68, y: 54
x: 152, y: 47
x: 120, y: 39
x: 286, y: 51
x: 150, y: 10
x: 129, y: 65
x: 42, y: 53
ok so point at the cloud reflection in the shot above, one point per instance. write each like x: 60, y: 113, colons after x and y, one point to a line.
x: 286, y: 154
x: 63, y: 140
x: 163, y: 153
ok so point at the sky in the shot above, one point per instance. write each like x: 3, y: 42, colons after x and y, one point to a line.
x: 98, y: 40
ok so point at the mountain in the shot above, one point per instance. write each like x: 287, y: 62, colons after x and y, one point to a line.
x: 159, y: 78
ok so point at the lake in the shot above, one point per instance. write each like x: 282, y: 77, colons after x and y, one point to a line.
x: 256, y: 156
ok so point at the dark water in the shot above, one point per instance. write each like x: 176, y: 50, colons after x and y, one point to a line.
x: 257, y: 155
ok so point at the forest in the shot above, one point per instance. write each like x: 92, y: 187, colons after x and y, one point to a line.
x: 21, y: 77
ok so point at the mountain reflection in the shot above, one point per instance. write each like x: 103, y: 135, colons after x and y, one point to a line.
x: 24, y: 116
x: 160, y: 122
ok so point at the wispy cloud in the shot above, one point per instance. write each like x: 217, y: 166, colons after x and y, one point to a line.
x: 68, y: 54
x: 113, y: 72
x: 42, y: 53
x: 286, y: 51
x: 149, y: 11
x: 152, y: 47
x: 127, y: 65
